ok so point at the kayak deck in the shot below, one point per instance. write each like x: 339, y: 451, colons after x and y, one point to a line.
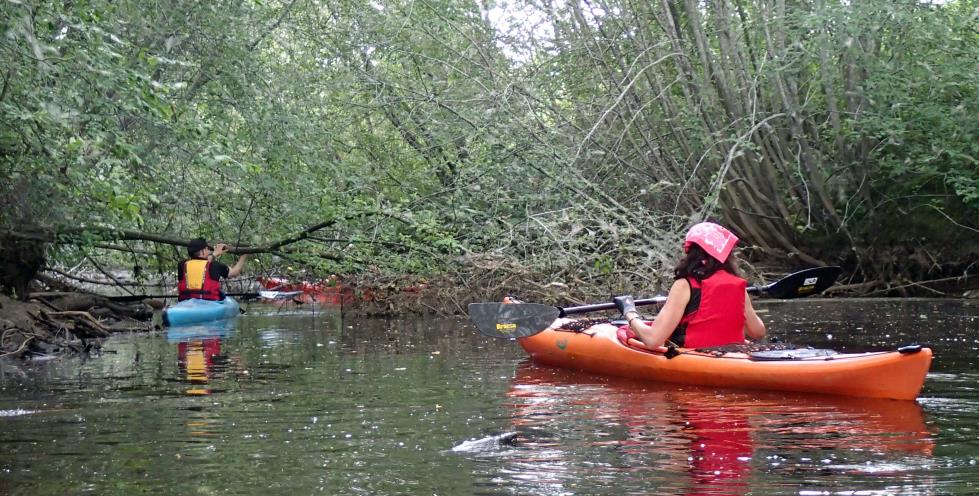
x: 889, y: 374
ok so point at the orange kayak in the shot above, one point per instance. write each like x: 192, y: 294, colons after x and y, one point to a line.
x: 597, y: 349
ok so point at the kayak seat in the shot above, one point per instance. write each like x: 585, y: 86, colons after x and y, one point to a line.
x: 629, y: 338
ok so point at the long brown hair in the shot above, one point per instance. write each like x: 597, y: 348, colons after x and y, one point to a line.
x: 699, y: 265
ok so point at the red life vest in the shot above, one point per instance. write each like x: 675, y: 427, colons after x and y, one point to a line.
x: 197, y: 281
x: 715, y: 314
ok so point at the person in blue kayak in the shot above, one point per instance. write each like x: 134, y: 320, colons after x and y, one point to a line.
x: 200, y: 275
x: 708, y: 304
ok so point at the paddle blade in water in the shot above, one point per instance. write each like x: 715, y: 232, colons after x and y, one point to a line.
x: 512, y: 320
x: 803, y: 283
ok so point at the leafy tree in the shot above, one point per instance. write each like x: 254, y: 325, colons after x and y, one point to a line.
x: 573, y: 144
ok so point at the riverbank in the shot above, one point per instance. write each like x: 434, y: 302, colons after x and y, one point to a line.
x: 66, y: 323
x: 75, y: 321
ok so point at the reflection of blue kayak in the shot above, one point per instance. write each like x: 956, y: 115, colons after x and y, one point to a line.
x: 195, y: 311
x: 219, y: 329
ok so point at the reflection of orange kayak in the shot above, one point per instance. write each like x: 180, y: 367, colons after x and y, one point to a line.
x: 731, y: 423
x: 696, y: 440
x: 597, y: 349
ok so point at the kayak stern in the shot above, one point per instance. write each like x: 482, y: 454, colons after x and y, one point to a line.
x: 196, y: 311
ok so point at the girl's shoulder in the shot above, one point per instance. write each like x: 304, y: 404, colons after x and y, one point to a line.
x: 681, y: 284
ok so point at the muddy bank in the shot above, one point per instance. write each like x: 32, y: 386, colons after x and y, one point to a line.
x: 66, y: 323
x: 383, y: 295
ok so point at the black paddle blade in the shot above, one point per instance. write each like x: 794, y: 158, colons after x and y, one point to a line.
x: 512, y: 320
x: 803, y: 283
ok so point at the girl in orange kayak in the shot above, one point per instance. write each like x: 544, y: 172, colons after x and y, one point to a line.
x: 707, y: 304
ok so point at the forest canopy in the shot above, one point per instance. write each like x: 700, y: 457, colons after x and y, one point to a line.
x: 564, y: 142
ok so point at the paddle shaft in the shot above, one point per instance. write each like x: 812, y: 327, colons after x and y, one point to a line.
x: 597, y: 307
x: 802, y: 283
x: 657, y: 300
x: 143, y: 297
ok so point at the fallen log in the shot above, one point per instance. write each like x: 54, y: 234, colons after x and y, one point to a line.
x: 67, y: 301
x: 83, y: 321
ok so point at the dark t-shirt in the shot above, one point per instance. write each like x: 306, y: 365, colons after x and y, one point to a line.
x: 218, y: 270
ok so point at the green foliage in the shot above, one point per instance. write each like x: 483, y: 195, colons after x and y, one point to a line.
x: 579, y: 144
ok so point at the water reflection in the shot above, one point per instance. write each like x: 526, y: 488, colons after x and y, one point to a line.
x: 698, y: 440
x: 368, y: 406
x: 721, y: 445
x: 199, y: 355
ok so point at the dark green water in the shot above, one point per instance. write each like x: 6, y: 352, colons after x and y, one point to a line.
x: 306, y: 403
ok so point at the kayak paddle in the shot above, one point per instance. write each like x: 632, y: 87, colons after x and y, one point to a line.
x: 512, y: 320
x: 521, y: 320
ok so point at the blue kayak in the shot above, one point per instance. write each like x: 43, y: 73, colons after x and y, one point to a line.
x: 196, y: 311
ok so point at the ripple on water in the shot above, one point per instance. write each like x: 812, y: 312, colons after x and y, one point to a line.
x: 17, y: 412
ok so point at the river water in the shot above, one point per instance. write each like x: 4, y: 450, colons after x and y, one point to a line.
x: 300, y: 401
